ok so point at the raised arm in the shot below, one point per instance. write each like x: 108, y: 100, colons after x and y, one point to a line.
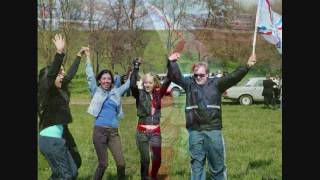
x: 174, y: 73
x: 74, y: 67
x: 124, y: 87
x: 233, y: 78
x: 54, y: 69
x: 134, y: 79
x: 92, y: 83
x: 164, y: 86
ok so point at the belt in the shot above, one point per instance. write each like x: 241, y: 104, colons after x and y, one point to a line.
x: 148, y: 128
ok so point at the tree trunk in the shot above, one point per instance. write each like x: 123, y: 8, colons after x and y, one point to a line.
x: 112, y: 66
x: 51, y: 3
x: 97, y: 70
x: 91, y: 11
x: 133, y: 8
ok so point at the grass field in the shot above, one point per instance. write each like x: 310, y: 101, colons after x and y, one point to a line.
x: 253, y: 138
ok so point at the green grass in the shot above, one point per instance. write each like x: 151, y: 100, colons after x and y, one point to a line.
x: 252, y: 136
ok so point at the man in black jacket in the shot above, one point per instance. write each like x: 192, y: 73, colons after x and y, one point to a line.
x: 55, y: 141
x: 203, y: 114
x: 268, y: 92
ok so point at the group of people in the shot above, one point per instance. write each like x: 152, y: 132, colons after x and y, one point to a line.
x: 203, y: 116
x: 272, y: 91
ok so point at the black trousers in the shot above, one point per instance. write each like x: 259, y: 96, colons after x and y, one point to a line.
x: 108, y: 138
x: 269, y: 99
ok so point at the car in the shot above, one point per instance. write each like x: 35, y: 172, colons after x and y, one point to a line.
x: 246, y: 93
x: 174, y: 90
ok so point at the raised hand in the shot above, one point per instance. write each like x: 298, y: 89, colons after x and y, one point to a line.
x: 87, y: 51
x: 136, y: 63
x: 174, y: 56
x: 59, y: 42
x: 252, y: 60
x: 80, y: 53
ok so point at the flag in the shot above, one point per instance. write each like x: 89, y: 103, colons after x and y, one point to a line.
x: 270, y: 25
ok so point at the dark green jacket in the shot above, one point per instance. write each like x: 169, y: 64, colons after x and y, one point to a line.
x: 54, y: 103
x: 203, y: 102
x: 144, y: 102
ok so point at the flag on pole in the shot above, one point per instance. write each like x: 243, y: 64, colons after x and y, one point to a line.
x: 270, y: 25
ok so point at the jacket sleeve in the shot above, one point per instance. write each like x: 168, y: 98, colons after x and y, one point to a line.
x: 264, y: 83
x: 174, y: 74
x: 164, y: 86
x: 124, y: 87
x: 133, y: 83
x: 54, y: 69
x: 233, y: 78
x: 72, y: 71
x: 91, y: 78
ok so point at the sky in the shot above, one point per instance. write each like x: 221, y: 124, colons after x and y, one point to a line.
x: 158, y: 23
x: 154, y: 20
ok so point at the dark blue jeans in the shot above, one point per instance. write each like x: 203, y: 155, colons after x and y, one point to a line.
x: 58, y: 157
x: 207, y: 145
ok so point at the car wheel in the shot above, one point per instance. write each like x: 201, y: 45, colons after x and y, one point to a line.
x: 245, y: 100
x: 175, y: 92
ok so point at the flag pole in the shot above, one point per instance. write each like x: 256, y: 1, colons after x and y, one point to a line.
x: 255, y: 29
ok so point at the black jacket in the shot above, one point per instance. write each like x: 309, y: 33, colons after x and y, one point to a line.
x: 268, y: 87
x: 203, y: 102
x: 54, y: 108
x: 144, y: 102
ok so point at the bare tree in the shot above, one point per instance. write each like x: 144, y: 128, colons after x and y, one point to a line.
x: 47, y: 8
x: 220, y: 12
x: 171, y: 13
x: 126, y: 39
x: 91, y: 14
x: 97, y: 42
x: 71, y: 19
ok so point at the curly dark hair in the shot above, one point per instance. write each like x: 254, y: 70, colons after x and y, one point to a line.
x: 101, y: 73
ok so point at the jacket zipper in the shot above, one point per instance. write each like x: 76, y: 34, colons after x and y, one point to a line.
x: 151, y: 108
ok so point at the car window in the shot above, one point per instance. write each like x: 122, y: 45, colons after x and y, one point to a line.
x: 259, y: 83
x: 242, y: 83
x: 250, y: 82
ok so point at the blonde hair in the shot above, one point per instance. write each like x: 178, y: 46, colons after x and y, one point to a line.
x: 201, y: 63
x: 155, y: 78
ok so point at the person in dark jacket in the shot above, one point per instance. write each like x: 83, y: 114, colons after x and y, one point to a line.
x: 56, y: 143
x: 148, y: 103
x: 124, y: 79
x: 203, y: 114
x: 276, y: 89
x: 268, y: 92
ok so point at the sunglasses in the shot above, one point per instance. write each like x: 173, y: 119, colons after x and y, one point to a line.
x: 199, y: 75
